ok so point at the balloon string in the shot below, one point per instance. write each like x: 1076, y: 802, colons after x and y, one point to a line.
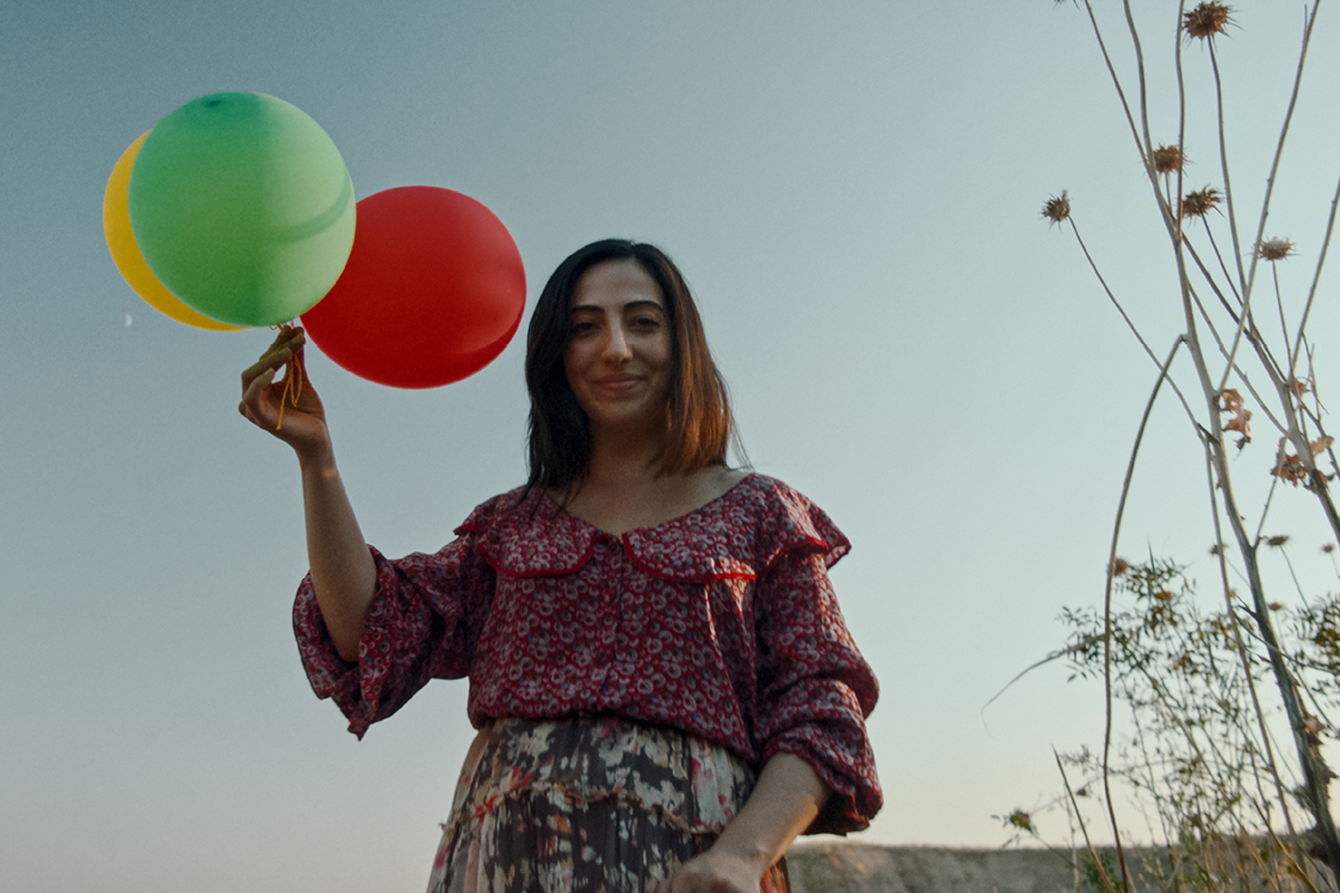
x: 293, y: 380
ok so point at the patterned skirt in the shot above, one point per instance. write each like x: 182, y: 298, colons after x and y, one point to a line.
x: 599, y: 805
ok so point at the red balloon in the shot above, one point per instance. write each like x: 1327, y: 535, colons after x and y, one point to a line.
x: 432, y: 292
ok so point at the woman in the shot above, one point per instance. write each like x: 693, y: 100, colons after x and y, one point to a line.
x: 665, y: 690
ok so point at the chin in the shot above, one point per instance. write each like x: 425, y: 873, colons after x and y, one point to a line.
x: 628, y: 417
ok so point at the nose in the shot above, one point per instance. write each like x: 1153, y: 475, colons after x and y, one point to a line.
x: 616, y: 346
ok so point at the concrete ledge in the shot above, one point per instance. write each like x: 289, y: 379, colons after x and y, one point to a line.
x: 869, y: 868
x: 838, y: 867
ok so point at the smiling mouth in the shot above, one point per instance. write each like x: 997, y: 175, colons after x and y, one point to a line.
x: 619, y: 382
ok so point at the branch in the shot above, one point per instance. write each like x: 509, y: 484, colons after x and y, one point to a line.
x: 1241, y: 648
x: 1088, y: 844
x: 1316, y: 277
x: 1081, y: 645
x: 1223, y: 163
x: 1122, y: 310
x: 1107, y: 610
x: 1279, y: 148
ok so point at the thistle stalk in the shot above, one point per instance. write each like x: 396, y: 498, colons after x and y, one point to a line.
x: 1224, y: 413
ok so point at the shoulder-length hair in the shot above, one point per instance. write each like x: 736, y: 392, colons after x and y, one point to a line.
x: 699, y: 416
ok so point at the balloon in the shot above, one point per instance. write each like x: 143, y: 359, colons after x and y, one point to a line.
x: 432, y: 293
x: 242, y: 207
x: 126, y: 254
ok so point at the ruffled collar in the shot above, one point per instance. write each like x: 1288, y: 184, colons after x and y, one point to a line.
x: 736, y: 535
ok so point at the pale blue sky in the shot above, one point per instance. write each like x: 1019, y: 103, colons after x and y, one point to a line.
x: 853, y: 191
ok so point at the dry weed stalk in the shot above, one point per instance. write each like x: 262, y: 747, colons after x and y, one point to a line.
x: 1205, y: 756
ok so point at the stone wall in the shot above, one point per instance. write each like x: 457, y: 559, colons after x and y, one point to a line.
x: 868, y: 868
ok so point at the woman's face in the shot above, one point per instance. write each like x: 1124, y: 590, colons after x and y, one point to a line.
x: 619, y: 352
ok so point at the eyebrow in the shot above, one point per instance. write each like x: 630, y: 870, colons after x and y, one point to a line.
x: 631, y: 305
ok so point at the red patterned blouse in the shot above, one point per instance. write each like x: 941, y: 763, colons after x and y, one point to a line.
x: 721, y: 622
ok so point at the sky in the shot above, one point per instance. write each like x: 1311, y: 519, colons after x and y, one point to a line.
x: 853, y: 192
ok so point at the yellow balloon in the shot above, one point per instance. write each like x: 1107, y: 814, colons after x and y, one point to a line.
x: 126, y: 254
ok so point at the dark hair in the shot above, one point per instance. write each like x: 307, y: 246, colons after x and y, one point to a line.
x: 560, y: 432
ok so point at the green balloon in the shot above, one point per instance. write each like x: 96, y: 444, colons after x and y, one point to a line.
x: 243, y: 208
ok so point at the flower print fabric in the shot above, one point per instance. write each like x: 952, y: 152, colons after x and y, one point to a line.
x: 721, y: 623
x: 598, y: 805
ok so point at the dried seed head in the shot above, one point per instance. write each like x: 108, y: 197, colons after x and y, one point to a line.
x: 1021, y: 820
x: 1275, y: 249
x: 1167, y: 159
x: 1197, y: 204
x: 1276, y: 542
x: 1057, y: 208
x: 1328, y: 548
x: 1275, y: 606
x: 1119, y: 566
x: 1218, y: 549
x: 1206, y: 20
x: 1163, y: 595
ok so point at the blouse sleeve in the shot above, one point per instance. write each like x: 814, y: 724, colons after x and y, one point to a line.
x: 815, y: 689
x: 423, y: 623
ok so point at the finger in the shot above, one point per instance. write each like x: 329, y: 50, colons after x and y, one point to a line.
x: 277, y: 355
x: 296, y: 339
x: 253, y: 397
x: 269, y: 362
x: 284, y: 334
x: 284, y: 347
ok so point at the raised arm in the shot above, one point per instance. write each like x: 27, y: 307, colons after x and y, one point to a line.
x: 343, y: 572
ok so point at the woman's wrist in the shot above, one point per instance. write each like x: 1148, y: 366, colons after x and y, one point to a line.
x: 316, y: 459
x: 752, y: 853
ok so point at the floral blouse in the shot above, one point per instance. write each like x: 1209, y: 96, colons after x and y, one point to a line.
x: 721, y: 622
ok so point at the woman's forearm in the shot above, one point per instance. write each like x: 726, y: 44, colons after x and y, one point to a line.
x: 344, y: 576
x: 783, y: 804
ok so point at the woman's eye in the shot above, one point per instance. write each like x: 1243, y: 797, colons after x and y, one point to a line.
x: 647, y: 322
x: 580, y: 327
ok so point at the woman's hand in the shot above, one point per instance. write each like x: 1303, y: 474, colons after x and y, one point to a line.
x: 301, y: 426
x: 712, y: 872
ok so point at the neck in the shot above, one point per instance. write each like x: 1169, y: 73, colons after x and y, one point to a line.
x: 625, y: 457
